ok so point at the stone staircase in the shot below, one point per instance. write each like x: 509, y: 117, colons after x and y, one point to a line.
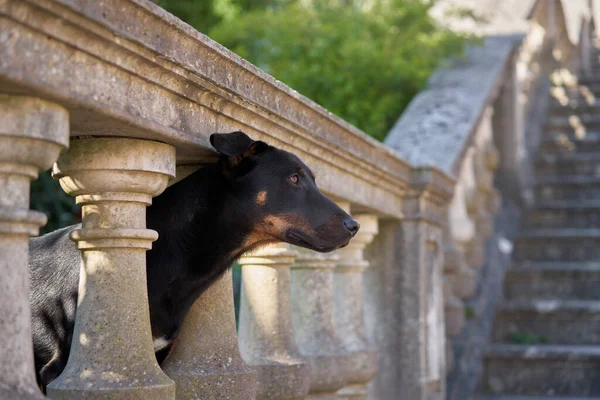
x: 546, y: 336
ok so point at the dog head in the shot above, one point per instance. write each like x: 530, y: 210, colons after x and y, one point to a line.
x: 276, y: 193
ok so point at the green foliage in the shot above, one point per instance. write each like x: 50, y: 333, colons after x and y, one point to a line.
x: 363, y: 64
x: 526, y: 338
x: 205, y: 14
x: 470, y: 312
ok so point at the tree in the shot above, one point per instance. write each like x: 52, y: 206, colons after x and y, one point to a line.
x: 362, y: 60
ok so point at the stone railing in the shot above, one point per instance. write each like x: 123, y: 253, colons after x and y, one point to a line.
x: 479, y: 121
x: 451, y: 125
x: 138, y: 93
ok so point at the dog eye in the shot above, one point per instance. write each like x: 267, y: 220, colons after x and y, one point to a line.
x: 294, y: 179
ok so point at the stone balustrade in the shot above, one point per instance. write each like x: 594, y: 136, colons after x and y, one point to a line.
x: 32, y: 133
x: 139, y: 101
x: 470, y: 223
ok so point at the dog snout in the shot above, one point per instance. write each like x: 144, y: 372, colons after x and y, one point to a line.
x: 351, y: 225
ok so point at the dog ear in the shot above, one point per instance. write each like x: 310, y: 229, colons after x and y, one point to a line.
x: 231, y: 144
x: 236, y: 146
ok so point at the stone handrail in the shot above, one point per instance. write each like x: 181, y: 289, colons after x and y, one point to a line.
x: 124, y: 78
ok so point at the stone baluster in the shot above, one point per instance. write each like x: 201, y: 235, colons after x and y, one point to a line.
x: 349, y: 303
x: 474, y: 250
x: 485, y: 201
x: 313, y: 309
x: 459, y: 231
x: 112, y: 356
x: 32, y: 134
x: 205, y: 362
x: 421, y: 340
x: 266, y: 335
x: 458, y: 235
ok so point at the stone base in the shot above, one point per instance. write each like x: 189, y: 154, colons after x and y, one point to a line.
x: 158, y: 392
x: 13, y: 394
x: 328, y: 375
x: 353, y: 392
x: 317, y: 396
x: 283, y: 381
x: 216, y: 385
x: 363, y: 366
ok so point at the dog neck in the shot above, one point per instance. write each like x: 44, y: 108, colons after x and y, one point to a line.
x: 198, y: 221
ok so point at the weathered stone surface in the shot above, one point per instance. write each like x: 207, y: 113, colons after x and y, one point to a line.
x: 112, y: 356
x: 439, y: 123
x: 568, y: 164
x: 470, y: 344
x: 549, y: 321
x: 454, y: 314
x: 266, y: 335
x: 205, y: 363
x: 545, y: 337
x: 160, y: 79
x: 313, y: 316
x: 349, y: 303
x: 413, y: 270
x: 543, y: 370
x: 569, y: 214
x: 32, y: 133
x: 553, y: 280
x: 566, y: 188
x: 558, y: 245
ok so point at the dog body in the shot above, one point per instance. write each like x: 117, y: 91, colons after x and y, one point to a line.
x: 254, y: 195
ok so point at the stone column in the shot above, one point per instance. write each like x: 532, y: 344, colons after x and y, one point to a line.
x: 313, y: 309
x: 32, y: 134
x: 266, y: 335
x: 459, y: 230
x: 112, y: 357
x: 205, y: 362
x: 350, y: 316
x: 509, y: 122
x: 420, y: 340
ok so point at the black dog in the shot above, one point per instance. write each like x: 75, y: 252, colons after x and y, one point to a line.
x: 254, y: 195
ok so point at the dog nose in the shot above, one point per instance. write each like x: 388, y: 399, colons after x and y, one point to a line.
x: 352, y: 225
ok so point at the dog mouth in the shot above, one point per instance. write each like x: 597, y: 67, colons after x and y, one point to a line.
x: 299, y: 239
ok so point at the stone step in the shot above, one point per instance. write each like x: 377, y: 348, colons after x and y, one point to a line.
x: 542, y: 370
x: 574, y: 97
x: 574, y: 108
x: 566, y: 214
x: 571, y: 187
x: 562, y: 141
x: 568, y: 163
x: 557, y: 245
x: 553, y: 280
x: 548, y: 321
x: 585, y: 118
x: 592, y: 81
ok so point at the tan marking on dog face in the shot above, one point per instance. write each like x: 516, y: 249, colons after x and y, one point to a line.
x: 278, y: 225
x: 261, y: 198
x: 271, y: 229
